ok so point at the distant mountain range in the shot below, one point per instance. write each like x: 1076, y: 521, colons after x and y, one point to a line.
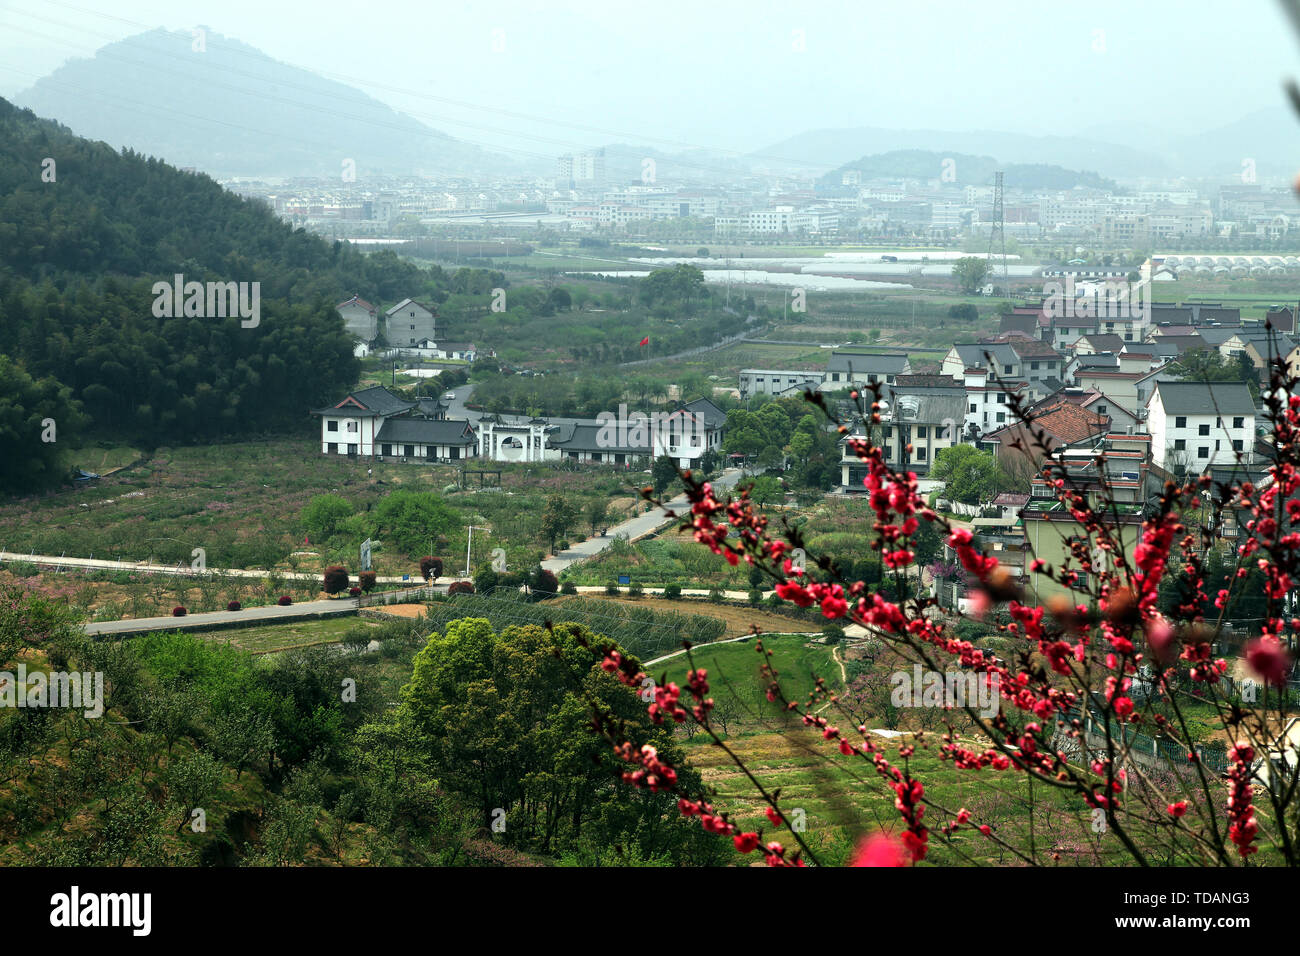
x: 1127, y: 149
x: 965, y: 170
x: 232, y: 110
x: 837, y: 147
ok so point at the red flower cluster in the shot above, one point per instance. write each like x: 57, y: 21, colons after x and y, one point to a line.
x: 1241, y: 812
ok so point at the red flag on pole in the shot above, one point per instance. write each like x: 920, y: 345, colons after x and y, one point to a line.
x: 646, y: 340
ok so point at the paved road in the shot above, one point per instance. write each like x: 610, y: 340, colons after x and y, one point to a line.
x: 144, y: 567
x: 634, y: 528
x: 269, y: 614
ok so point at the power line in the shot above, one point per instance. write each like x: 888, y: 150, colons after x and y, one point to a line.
x: 477, y: 107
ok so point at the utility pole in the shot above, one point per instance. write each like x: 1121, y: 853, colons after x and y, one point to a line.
x: 470, y: 545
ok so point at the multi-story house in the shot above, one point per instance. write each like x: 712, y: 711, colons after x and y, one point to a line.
x: 917, y: 424
x: 845, y: 369
x: 1197, y: 425
x: 375, y: 422
x: 360, y: 318
x: 410, y: 323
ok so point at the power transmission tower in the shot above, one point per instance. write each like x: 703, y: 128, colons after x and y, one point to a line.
x: 998, y: 231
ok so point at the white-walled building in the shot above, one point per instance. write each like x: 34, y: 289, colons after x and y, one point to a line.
x: 1195, y: 425
x: 373, y: 422
x: 770, y: 381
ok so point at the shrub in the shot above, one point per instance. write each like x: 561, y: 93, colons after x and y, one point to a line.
x: 635, y: 590
x: 612, y: 588
x: 178, y: 612
x: 368, y: 580
x: 542, y: 583
x: 461, y: 587
x: 284, y: 601
x: 833, y: 633
x: 354, y: 592
x: 568, y: 587
x: 336, y: 579
x: 234, y: 606
x: 430, y: 568
x: 716, y: 596
x: 755, y: 596
x: 673, y: 592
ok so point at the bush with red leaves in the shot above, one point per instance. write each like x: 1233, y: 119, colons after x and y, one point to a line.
x: 284, y: 601
x: 233, y: 606
x: 178, y: 612
x: 430, y: 568
x: 461, y: 587
x: 368, y: 580
x: 336, y: 579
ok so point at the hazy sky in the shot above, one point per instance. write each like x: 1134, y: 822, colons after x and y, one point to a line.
x: 732, y: 75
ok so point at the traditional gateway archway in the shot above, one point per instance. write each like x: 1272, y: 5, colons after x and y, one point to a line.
x: 523, y: 442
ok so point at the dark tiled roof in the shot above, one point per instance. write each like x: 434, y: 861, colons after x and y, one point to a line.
x: 1096, y: 360
x: 375, y: 400
x: 930, y: 381
x: 974, y: 355
x: 408, y: 302
x: 867, y: 363
x: 1105, y: 341
x: 1205, y: 398
x: 422, y: 431
x: 602, y: 438
x: 710, y: 414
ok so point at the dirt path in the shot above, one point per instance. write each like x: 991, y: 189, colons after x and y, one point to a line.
x: 399, y: 610
x: 737, y: 619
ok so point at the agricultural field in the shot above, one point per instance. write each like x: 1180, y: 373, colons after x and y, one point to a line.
x: 242, y: 503
x: 834, y: 525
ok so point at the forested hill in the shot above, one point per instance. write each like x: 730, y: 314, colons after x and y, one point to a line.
x: 85, y: 232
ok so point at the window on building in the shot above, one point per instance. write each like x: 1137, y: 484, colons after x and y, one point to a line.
x: 922, y: 431
x: 352, y: 426
x: 920, y: 454
x: 1236, y: 444
x: 1180, y: 421
x: 1239, y: 422
x: 1006, y: 369
x: 1034, y: 366
x: 333, y: 448
x: 1203, y: 451
x: 1001, y: 417
x: 1180, y: 444
x: 1203, y: 430
x: 972, y: 406
x: 331, y: 426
